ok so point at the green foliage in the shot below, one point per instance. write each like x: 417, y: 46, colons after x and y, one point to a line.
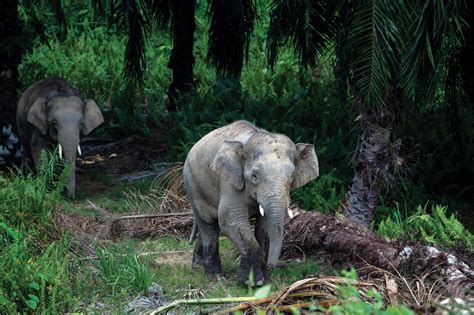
x: 434, y: 34
x: 33, y: 267
x: 352, y: 303
x: 28, y: 199
x: 323, y: 195
x: 121, y: 272
x: 435, y: 227
x: 87, y: 60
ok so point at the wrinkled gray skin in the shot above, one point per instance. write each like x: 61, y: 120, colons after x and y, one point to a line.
x: 51, y: 111
x: 227, y: 175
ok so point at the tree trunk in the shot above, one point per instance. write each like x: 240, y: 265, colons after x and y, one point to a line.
x: 181, y: 59
x: 375, y: 158
x: 10, y: 57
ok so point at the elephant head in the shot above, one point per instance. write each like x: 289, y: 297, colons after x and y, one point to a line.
x: 63, y: 118
x: 265, y: 169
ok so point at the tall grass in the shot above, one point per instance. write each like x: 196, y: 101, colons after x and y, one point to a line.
x: 33, y: 265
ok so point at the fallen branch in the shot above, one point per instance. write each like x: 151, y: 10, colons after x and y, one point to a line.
x: 160, y: 169
x: 158, y: 215
x: 204, y: 302
x: 245, y: 306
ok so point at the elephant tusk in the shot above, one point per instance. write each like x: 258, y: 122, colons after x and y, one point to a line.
x: 79, y: 149
x: 60, y: 150
x: 262, y: 212
x: 290, y: 213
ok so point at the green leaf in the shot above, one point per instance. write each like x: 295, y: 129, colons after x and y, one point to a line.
x: 32, y: 304
x: 263, y: 292
x: 33, y: 297
x: 34, y: 285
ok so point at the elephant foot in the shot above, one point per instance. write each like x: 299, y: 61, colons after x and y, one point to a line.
x: 258, y: 284
x: 207, y: 257
x: 246, y: 268
x: 196, y: 265
x: 213, y: 269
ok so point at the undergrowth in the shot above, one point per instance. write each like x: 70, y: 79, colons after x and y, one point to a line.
x: 432, y: 226
x: 33, y: 263
x: 40, y: 266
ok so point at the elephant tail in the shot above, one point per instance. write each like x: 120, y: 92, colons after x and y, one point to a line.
x: 193, y: 233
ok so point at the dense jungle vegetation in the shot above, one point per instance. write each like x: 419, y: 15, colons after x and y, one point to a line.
x: 428, y: 197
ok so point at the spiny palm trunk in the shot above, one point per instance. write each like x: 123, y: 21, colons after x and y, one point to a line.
x: 182, y: 59
x: 10, y: 57
x: 375, y: 158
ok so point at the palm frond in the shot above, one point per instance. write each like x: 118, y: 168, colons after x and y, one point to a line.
x: 436, y: 32
x: 232, y: 23
x: 368, y: 46
x: 133, y: 14
x: 306, y: 24
x: 161, y: 13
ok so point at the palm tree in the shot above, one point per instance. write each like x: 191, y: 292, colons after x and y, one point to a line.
x: 388, y: 54
x: 226, y: 53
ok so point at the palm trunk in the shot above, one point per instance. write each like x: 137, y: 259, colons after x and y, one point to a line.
x: 10, y: 58
x: 182, y: 59
x: 375, y: 158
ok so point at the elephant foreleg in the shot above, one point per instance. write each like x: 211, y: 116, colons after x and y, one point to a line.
x: 236, y: 226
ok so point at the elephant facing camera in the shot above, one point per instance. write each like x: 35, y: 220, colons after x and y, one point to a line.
x: 238, y: 174
x: 51, y: 115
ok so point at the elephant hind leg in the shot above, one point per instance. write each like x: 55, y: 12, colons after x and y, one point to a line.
x: 206, y: 251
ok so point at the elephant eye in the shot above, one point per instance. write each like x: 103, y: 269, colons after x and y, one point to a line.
x: 254, y: 178
x: 54, y: 122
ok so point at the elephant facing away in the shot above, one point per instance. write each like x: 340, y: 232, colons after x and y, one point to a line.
x: 236, y: 173
x: 51, y: 112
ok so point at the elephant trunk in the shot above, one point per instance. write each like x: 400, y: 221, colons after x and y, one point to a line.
x: 70, y: 142
x: 275, y: 210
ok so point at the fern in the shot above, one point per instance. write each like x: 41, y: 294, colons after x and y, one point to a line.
x: 434, y: 228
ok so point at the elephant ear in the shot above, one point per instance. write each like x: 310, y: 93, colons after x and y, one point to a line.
x: 306, y: 165
x: 92, y: 117
x: 37, y: 115
x: 228, y: 163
